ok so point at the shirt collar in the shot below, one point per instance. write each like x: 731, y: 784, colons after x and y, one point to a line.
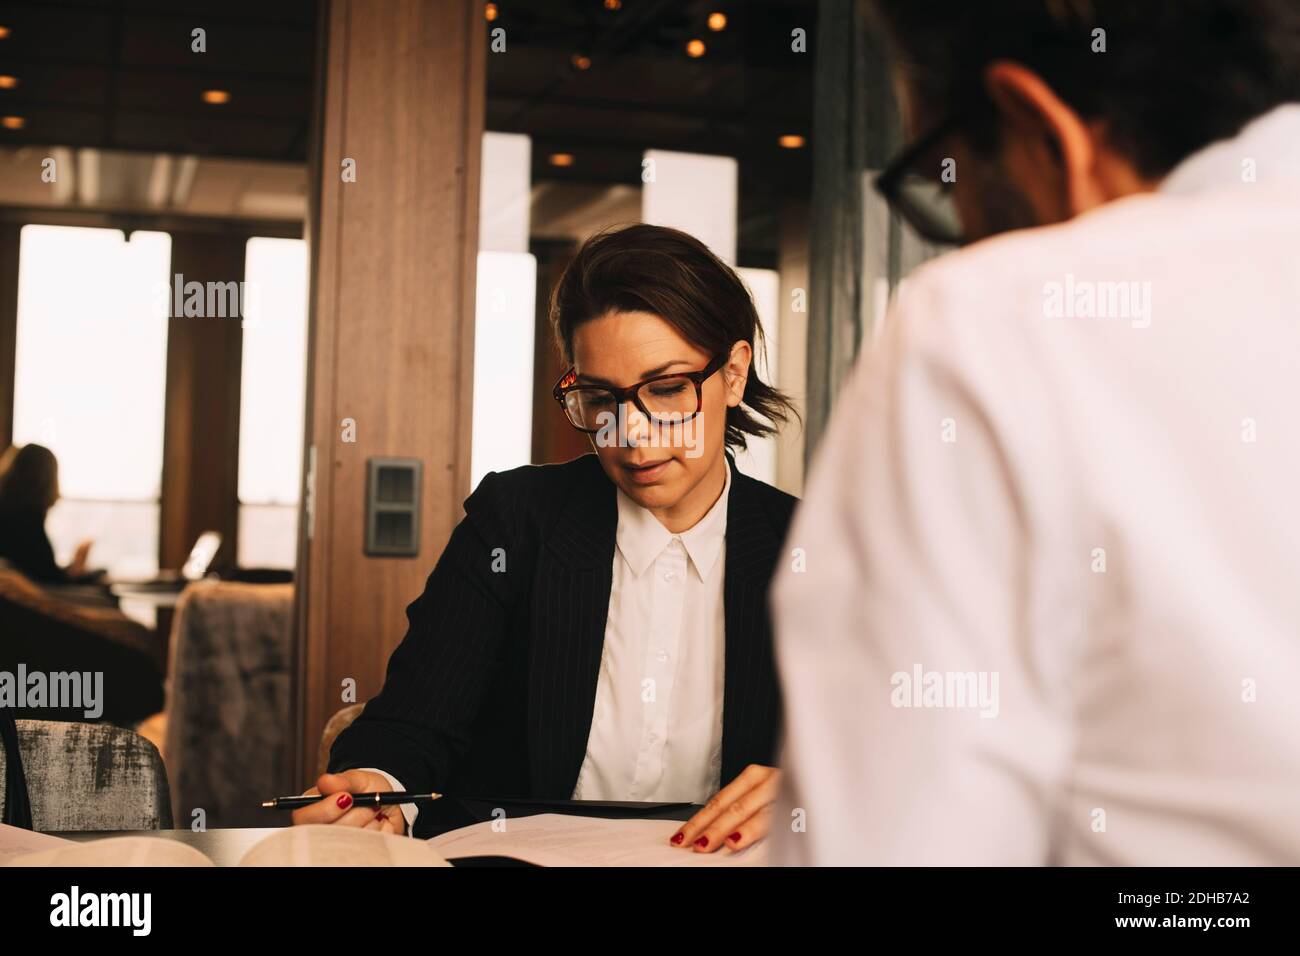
x: 641, y: 538
x: 1270, y: 141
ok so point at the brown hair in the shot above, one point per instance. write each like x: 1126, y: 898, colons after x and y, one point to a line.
x: 643, y: 268
x: 29, y: 479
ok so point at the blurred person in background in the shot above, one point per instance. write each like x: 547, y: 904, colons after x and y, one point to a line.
x: 1050, y: 611
x: 29, y: 487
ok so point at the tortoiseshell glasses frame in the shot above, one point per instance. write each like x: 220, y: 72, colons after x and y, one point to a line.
x: 573, y: 394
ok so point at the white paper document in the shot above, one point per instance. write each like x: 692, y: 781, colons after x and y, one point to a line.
x: 556, y: 839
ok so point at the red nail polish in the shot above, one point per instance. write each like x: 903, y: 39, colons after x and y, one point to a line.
x: 735, y: 837
x: 702, y: 842
x: 677, y: 838
x: 344, y: 801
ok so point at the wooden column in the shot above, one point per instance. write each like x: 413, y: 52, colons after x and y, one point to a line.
x: 553, y: 438
x: 200, y: 474
x: 393, y: 285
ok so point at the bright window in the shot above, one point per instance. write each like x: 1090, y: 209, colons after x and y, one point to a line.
x: 272, y: 396
x: 504, y: 320
x: 90, y: 379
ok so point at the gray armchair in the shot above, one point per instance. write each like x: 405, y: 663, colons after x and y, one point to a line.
x: 91, y: 777
x: 227, y: 738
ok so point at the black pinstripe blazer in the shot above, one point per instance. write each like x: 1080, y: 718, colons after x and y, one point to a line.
x: 492, y: 690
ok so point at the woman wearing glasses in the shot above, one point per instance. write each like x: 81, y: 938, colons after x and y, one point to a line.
x: 598, y: 630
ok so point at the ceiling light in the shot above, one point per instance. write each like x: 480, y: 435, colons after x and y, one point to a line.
x: 792, y: 141
x: 717, y: 22
x: 613, y: 4
x: 4, y: 32
x: 695, y: 49
x: 561, y: 159
x: 580, y: 62
x: 216, y: 97
x: 13, y: 122
x: 8, y: 82
x: 490, y: 11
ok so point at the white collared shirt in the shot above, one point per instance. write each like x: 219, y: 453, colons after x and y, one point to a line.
x: 656, y: 731
x: 1050, y: 611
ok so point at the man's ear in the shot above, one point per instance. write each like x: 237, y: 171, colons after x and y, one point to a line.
x: 1039, y: 122
x: 736, y: 372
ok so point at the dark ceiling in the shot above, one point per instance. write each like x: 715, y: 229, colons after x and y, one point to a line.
x: 120, y: 74
x: 643, y: 91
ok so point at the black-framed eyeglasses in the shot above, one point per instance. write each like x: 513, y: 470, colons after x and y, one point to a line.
x: 663, y: 399
x: 913, y: 184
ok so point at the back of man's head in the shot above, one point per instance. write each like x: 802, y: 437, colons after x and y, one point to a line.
x: 1165, y: 77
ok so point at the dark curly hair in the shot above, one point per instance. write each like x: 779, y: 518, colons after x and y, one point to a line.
x: 643, y: 268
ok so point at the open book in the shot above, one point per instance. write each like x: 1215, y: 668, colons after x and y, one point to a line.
x: 548, y: 839
x: 291, y: 846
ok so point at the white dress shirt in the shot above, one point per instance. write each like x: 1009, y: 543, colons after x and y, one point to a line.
x: 656, y: 732
x: 656, y: 729
x: 1095, y: 514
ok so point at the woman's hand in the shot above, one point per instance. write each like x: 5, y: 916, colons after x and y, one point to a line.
x: 79, y: 559
x: 738, y: 815
x: 336, y: 807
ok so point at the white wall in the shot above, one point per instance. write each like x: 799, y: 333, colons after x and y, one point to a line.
x: 505, y: 311
x: 693, y: 193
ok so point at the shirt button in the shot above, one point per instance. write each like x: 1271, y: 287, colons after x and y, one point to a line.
x: 670, y: 575
x: 661, y: 656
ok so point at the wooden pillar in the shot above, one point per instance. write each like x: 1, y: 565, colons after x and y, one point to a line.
x: 200, y: 474
x: 553, y: 438
x: 393, y: 283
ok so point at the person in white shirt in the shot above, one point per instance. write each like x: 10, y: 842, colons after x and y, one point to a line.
x: 598, y: 630
x: 1050, y: 611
